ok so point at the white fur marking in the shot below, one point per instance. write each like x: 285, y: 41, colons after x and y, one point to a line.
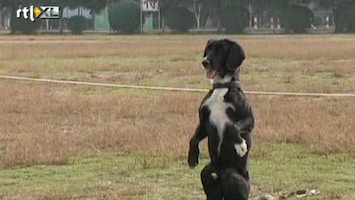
x: 214, y: 175
x: 218, y: 79
x: 242, y: 148
x: 218, y: 116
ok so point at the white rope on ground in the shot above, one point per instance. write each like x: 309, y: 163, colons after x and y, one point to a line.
x: 103, y: 84
x: 172, y: 88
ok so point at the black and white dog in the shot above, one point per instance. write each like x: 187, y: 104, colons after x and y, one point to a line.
x: 227, y: 119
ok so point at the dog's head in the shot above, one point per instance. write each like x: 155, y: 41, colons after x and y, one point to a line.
x: 221, y: 58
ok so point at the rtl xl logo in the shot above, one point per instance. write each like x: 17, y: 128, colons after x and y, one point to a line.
x: 34, y: 12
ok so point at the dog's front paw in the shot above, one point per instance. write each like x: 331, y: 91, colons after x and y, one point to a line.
x: 192, y: 160
x: 241, y: 148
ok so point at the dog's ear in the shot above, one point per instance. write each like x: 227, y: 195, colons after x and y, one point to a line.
x: 208, y: 43
x: 236, y: 56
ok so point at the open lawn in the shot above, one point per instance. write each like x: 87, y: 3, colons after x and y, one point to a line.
x: 83, y: 142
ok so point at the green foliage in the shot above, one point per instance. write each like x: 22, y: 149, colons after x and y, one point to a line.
x: 235, y: 18
x: 77, y: 24
x: 170, y: 4
x: 124, y: 17
x: 296, y: 18
x: 318, y: 20
x: 180, y: 19
x: 345, y: 18
x: 21, y: 25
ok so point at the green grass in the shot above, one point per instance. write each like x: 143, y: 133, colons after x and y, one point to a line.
x: 104, y: 175
x: 287, y: 167
x: 278, y: 167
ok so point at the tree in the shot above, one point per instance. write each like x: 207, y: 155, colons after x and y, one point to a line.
x: 235, y: 19
x: 197, y: 10
x: 180, y: 19
x: 77, y: 24
x: 344, y: 17
x: 296, y: 18
x: 124, y: 17
x: 166, y: 5
x: 219, y: 5
x: 343, y: 13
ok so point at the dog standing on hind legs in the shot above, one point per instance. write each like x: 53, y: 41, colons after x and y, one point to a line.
x: 226, y: 119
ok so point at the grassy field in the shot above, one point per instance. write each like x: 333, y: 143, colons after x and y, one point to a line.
x: 83, y: 142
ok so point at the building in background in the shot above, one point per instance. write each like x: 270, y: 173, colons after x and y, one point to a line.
x: 149, y: 15
x: 101, y: 21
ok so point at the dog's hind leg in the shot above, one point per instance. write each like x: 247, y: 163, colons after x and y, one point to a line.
x: 234, y: 186
x: 211, y: 184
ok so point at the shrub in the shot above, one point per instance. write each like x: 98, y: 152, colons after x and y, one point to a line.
x: 21, y: 25
x: 234, y: 19
x: 179, y: 19
x: 319, y: 20
x: 77, y: 24
x: 345, y: 18
x: 296, y: 18
x: 124, y: 16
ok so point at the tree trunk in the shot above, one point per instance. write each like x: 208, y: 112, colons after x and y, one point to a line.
x: 197, y: 12
x: 61, y: 21
x: 2, y: 18
x: 93, y: 16
x: 218, y: 15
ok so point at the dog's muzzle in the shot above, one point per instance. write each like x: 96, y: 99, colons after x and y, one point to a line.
x: 206, y: 63
x: 210, y: 71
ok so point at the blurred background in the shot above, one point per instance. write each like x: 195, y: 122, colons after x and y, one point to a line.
x: 184, y: 16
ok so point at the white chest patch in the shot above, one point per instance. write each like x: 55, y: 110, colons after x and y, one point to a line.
x: 218, y: 115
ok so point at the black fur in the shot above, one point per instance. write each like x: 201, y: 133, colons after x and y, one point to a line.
x: 224, y: 57
x: 229, y: 185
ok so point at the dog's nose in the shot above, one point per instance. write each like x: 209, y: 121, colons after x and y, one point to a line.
x: 206, y: 62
